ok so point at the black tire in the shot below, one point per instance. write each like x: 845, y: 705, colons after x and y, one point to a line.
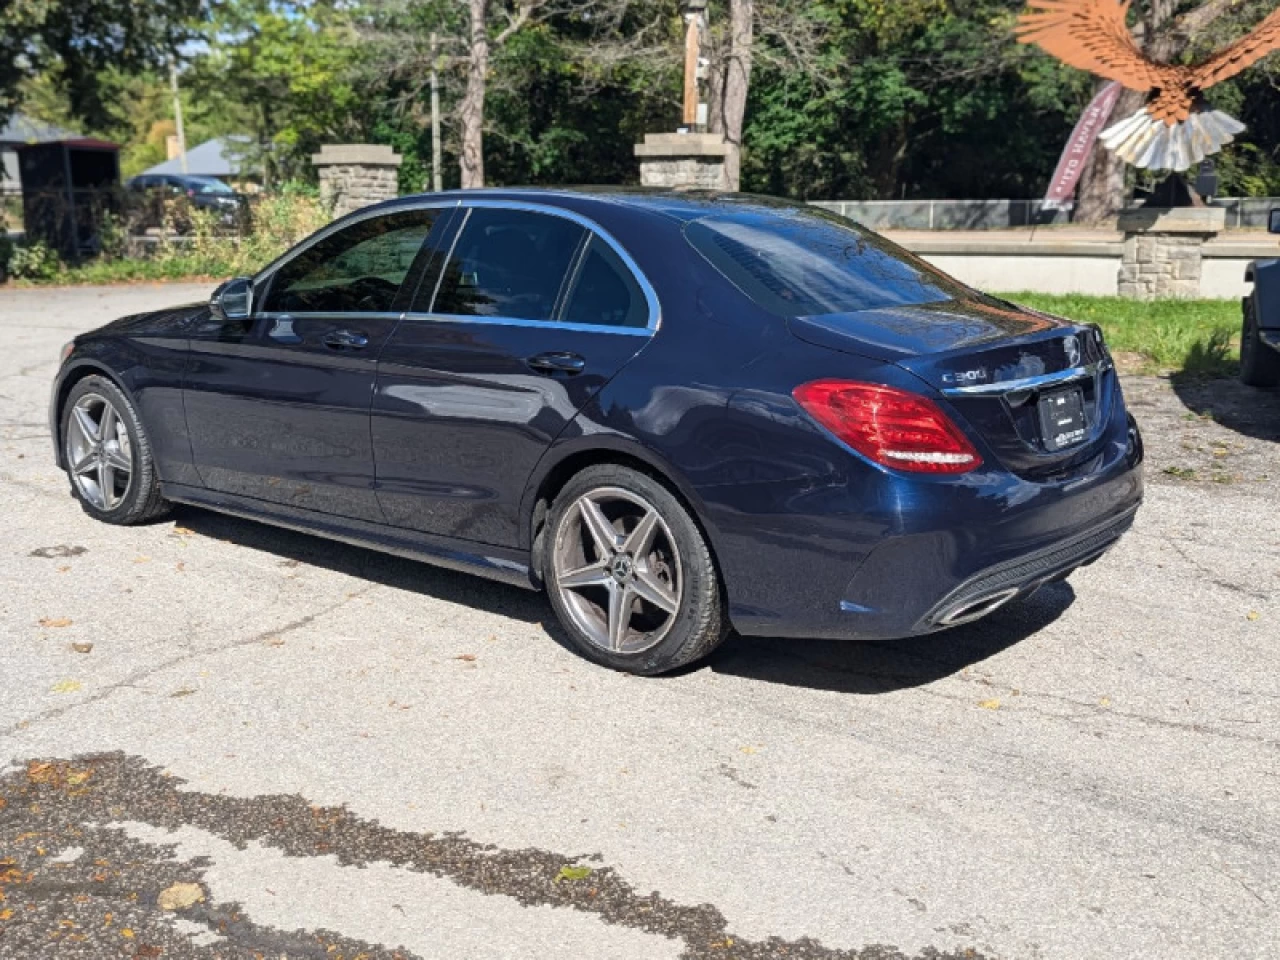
x: 1259, y: 364
x: 140, y: 501
x: 699, y: 624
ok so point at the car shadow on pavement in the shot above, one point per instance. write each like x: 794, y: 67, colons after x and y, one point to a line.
x: 882, y: 666
x: 1250, y: 411
x: 294, y: 548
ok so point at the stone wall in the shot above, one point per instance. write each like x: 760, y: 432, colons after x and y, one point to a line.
x: 689, y: 161
x: 1163, y: 254
x: 356, y: 175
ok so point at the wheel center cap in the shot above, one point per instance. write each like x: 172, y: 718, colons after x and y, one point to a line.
x: 622, y: 568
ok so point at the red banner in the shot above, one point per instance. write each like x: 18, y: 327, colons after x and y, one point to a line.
x: 1079, y: 148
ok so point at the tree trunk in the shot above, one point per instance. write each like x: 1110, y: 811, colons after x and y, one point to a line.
x: 1101, y: 194
x: 471, y: 111
x: 737, y: 81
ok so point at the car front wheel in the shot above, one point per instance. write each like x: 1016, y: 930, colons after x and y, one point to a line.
x: 630, y: 575
x: 107, y: 455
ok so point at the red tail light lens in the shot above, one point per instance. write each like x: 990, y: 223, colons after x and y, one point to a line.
x: 895, y: 428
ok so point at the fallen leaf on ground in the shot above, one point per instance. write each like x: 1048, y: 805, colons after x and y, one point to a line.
x: 179, y: 896
x: 141, y: 559
x: 184, y: 692
x: 1104, y: 702
x: 55, y: 622
x: 274, y: 641
x: 468, y: 657
x: 1252, y: 615
x: 82, y: 647
x: 990, y: 704
x: 66, y: 686
x: 573, y: 873
x: 127, y: 933
x: 183, y: 531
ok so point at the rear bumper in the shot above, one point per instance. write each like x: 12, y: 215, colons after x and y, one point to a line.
x: 896, y: 557
x: 997, y: 585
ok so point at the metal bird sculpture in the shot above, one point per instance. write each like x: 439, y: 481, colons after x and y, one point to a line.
x: 1176, y: 129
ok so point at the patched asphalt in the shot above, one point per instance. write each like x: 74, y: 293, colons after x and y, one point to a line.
x: 319, y: 751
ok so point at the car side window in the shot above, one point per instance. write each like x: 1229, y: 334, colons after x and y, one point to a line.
x: 358, y: 269
x: 605, y: 291
x: 507, y: 263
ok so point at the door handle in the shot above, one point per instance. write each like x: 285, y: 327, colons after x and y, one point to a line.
x: 551, y: 364
x: 346, y: 340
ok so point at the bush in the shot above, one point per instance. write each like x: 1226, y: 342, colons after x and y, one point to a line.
x: 204, y: 249
x: 35, y: 262
x: 6, y: 253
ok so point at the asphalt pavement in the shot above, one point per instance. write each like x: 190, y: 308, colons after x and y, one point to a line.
x: 219, y: 739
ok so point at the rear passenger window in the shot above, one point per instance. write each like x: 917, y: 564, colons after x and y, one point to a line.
x: 507, y: 263
x: 605, y: 291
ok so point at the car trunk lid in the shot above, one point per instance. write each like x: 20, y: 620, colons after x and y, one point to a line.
x: 1038, y: 389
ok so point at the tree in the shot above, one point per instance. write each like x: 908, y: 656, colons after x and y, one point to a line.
x: 80, y: 43
x: 284, y: 75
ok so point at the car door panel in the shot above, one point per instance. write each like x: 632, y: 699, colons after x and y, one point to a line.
x: 460, y: 419
x: 282, y: 416
x: 469, y: 398
x: 278, y: 408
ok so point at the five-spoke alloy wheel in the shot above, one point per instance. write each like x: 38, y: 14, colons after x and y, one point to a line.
x: 630, y: 574
x: 99, y: 454
x: 107, y: 455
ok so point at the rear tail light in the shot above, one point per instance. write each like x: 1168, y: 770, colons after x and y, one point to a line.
x: 895, y: 428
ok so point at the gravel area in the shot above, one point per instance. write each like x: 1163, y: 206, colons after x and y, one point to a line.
x: 219, y: 739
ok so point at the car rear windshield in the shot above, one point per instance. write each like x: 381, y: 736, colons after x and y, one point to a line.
x: 807, y: 262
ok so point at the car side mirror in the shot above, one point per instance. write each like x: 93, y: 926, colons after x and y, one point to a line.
x: 1273, y: 222
x: 233, y: 300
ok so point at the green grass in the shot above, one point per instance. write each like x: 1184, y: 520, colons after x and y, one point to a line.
x: 1188, y: 337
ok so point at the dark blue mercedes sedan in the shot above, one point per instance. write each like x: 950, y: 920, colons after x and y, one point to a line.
x: 680, y: 414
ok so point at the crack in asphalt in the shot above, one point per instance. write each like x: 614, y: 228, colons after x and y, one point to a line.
x: 131, y: 680
x: 57, y: 907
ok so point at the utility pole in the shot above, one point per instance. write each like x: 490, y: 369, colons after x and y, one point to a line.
x: 691, y: 44
x: 177, y: 113
x: 435, y: 120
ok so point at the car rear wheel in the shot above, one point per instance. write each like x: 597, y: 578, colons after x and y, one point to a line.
x: 107, y: 455
x: 630, y: 575
x: 1259, y: 364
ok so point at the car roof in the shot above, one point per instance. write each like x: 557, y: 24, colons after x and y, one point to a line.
x: 680, y: 205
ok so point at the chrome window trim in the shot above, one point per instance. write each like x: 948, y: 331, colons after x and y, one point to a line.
x: 650, y: 294
x: 521, y: 322
x: 1060, y: 378
x: 322, y: 315
x: 646, y: 288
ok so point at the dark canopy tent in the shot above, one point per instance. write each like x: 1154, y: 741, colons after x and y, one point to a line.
x: 67, y: 185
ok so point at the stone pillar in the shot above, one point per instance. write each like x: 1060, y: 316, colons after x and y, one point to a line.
x: 690, y: 161
x: 1163, y: 249
x: 354, y: 175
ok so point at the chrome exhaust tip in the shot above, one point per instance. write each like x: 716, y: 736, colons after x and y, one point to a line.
x: 975, y: 609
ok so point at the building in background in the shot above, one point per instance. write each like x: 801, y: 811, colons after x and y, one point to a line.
x: 222, y: 157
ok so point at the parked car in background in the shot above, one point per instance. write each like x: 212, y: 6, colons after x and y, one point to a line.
x: 1260, y: 334
x: 678, y: 413
x: 155, y: 196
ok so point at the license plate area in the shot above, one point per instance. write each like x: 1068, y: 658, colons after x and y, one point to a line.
x: 1062, y: 418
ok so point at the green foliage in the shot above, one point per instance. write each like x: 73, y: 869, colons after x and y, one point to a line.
x: 81, y: 41
x: 1186, y: 336
x: 283, y: 74
x: 35, y: 262
x: 281, y: 219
